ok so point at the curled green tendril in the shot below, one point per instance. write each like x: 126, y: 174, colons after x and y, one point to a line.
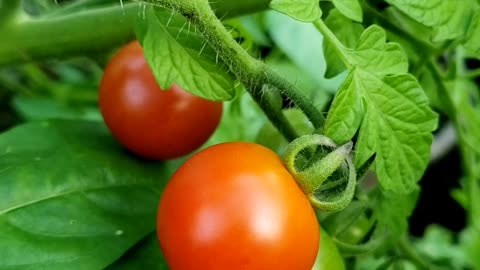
x: 312, y: 178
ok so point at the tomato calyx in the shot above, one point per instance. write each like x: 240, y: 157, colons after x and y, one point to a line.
x: 328, y: 182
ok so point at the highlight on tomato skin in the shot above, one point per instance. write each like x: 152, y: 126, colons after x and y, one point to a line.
x: 148, y: 121
x: 235, y: 206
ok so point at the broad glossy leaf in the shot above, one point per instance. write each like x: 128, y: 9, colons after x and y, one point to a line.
x: 302, y: 10
x: 71, y: 197
x: 41, y: 108
x: 145, y: 255
x: 177, y: 53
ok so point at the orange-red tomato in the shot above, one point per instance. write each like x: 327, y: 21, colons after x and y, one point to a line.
x: 235, y: 206
x: 148, y: 121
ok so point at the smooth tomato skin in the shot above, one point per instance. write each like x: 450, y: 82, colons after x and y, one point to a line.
x: 150, y: 122
x: 235, y: 206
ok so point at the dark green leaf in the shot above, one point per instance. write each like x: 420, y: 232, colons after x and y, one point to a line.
x: 71, y: 198
x: 42, y: 108
x: 145, y: 255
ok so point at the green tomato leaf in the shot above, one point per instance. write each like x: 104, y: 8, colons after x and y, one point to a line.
x: 348, y: 33
x: 345, y: 114
x: 396, y: 117
x: 448, y: 18
x: 375, y: 55
x: 71, y: 198
x: 177, y: 54
x: 397, y: 126
x: 389, y: 107
x: 145, y: 255
x: 350, y: 8
x: 301, y: 10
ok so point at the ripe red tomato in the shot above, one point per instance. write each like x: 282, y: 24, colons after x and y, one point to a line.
x: 235, y: 206
x: 152, y: 123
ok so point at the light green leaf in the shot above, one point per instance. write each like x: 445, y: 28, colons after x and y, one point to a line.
x: 71, y: 197
x: 302, y: 10
x: 397, y: 125
x: 388, y: 106
x: 350, y: 8
x: 348, y: 33
x: 344, y: 120
x: 179, y: 54
x: 448, y: 18
x: 373, y: 54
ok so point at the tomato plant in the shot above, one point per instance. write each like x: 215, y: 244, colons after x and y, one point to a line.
x: 231, y: 202
x: 149, y: 121
x: 328, y: 255
x: 128, y: 123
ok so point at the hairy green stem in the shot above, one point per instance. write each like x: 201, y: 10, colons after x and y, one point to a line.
x: 274, y: 115
x: 290, y: 91
x: 88, y: 31
x: 251, y: 72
